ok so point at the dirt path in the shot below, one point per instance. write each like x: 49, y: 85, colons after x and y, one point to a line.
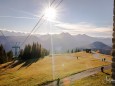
x: 96, y: 55
x: 77, y: 76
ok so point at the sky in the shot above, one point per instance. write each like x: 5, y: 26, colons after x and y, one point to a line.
x: 91, y: 17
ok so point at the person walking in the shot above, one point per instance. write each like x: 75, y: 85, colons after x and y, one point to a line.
x: 104, y: 59
x: 58, y: 82
x: 102, y: 69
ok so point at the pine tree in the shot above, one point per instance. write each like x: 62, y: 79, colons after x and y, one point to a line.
x: 34, y: 51
x: 21, y: 54
x: 10, y: 55
x: 3, y: 55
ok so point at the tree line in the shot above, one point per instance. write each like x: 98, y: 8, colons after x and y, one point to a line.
x: 33, y: 51
x: 73, y: 50
x: 5, y: 56
x: 79, y: 50
x: 29, y: 52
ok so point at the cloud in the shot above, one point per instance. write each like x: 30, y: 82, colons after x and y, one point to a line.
x: 19, y: 17
x: 85, y: 28
x: 74, y: 29
x: 5, y: 30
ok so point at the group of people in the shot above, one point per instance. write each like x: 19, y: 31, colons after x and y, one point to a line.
x: 103, y: 59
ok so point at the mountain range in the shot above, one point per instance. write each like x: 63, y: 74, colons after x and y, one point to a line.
x: 59, y: 42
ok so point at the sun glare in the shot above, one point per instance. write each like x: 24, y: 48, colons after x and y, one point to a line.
x: 50, y: 13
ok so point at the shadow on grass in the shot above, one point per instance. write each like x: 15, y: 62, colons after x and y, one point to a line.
x: 102, y: 70
x: 25, y: 63
x: 106, y: 73
x: 7, y: 65
x: 29, y: 62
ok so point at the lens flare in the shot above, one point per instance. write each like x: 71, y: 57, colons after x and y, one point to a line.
x: 50, y: 13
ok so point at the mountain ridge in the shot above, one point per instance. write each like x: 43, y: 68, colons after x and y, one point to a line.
x: 60, y: 42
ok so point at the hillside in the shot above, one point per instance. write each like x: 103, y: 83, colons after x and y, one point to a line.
x: 102, y: 47
x: 94, y: 80
x: 99, y: 45
x: 34, y: 72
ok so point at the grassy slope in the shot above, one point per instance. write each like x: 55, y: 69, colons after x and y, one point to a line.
x: 41, y: 71
x: 105, y: 56
x: 98, y: 79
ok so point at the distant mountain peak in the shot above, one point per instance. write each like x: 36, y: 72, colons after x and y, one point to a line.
x: 82, y: 35
x: 99, y: 45
x: 98, y: 42
x: 64, y: 33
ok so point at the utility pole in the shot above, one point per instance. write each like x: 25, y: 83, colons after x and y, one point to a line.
x: 16, y: 49
x: 113, y: 51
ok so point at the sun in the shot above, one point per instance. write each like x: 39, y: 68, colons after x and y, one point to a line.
x: 50, y: 14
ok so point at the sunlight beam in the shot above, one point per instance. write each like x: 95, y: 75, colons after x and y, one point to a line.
x: 50, y: 14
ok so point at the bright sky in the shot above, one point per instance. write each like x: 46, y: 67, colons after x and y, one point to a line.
x: 91, y: 17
